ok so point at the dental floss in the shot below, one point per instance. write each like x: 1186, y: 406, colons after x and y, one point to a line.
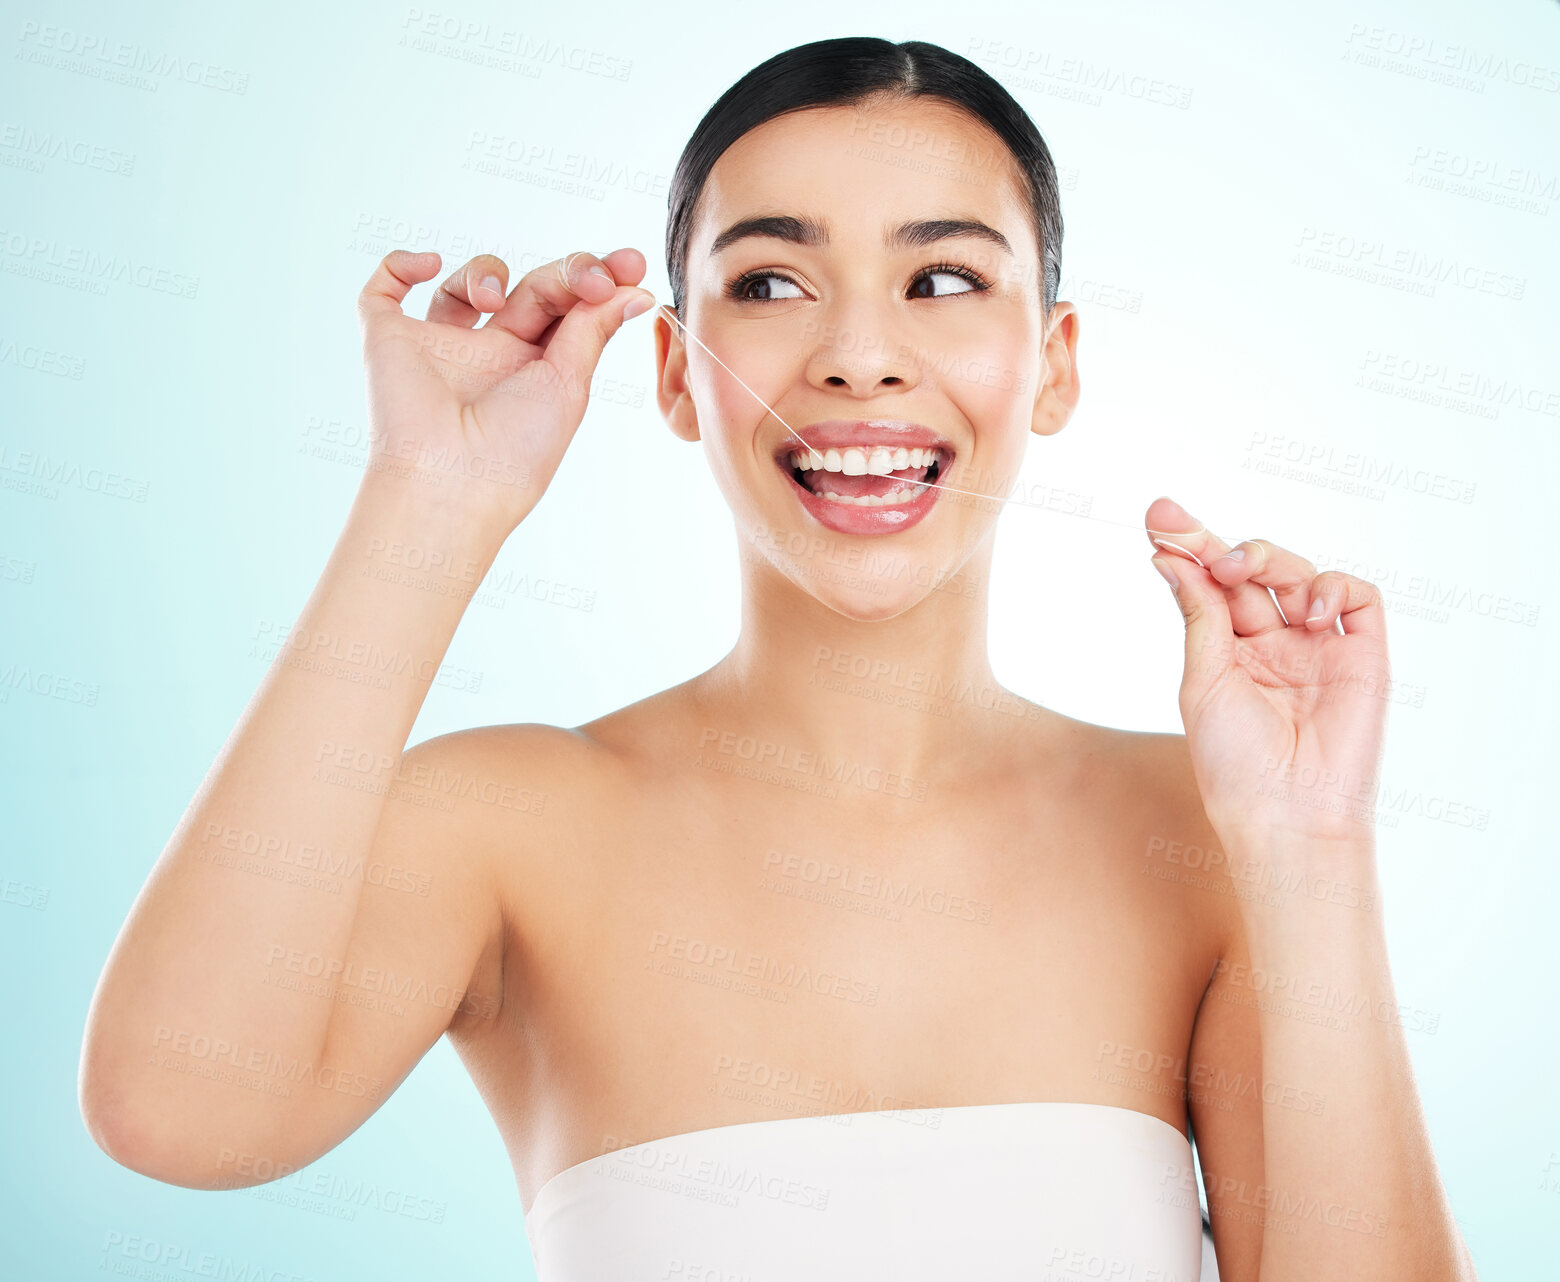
x: 1177, y: 547
x: 934, y: 485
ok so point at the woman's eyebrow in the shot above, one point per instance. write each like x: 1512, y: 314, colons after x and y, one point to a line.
x: 928, y: 231
x: 805, y: 230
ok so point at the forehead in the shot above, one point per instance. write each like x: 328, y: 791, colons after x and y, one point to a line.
x: 863, y: 168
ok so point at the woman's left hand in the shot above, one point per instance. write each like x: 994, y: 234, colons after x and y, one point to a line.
x: 1284, y: 714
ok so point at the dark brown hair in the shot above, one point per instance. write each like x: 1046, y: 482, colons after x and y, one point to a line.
x: 845, y: 72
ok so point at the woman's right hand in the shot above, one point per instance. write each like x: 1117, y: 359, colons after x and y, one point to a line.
x: 479, y: 417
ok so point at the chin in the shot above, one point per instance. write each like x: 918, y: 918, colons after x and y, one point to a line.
x: 876, y: 587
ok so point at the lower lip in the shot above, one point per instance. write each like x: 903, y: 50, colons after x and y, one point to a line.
x: 857, y: 518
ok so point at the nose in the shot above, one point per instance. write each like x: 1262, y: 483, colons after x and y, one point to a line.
x: 861, y: 357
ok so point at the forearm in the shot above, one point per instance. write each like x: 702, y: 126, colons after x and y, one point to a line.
x: 1351, y: 1191
x: 270, y: 853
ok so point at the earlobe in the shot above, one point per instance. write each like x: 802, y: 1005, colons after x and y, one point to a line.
x: 1049, y: 418
x: 684, y: 420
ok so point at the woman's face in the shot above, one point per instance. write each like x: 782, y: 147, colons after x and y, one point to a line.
x: 887, y: 306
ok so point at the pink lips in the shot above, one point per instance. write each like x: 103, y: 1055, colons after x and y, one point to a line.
x: 851, y: 518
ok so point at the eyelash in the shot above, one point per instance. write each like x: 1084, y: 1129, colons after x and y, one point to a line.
x: 737, y: 284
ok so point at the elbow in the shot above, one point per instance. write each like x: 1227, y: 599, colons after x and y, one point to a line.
x: 115, y: 1129
x: 138, y: 1143
x: 156, y: 1142
x: 158, y: 1151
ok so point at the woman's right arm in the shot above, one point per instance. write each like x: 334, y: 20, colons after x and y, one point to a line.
x: 251, y: 1013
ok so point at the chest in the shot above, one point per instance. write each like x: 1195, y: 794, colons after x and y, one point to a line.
x: 705, y: 957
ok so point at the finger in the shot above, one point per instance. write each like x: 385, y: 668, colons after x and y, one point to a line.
x: 462, y: 296
x: 577, y: 343
x: 1172, y: 529
x: 627, y: 265
x: 1205, y: 609
x: 1354, y: 603
x: 1287, y: 574
x: 392, y: 280
x: 547, y: 293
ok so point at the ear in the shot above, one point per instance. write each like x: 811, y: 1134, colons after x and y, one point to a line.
x: 671, y: 382
x: 1057, y: 395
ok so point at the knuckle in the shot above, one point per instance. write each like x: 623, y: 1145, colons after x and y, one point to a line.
x: 571, y: 265
x: 546, y: 277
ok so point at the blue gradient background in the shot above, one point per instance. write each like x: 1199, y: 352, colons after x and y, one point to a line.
x: 1205, y: 327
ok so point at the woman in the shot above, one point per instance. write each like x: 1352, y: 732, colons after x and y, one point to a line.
x: 838, y: 959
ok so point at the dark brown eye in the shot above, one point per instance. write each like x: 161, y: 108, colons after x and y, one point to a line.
x: 966, y: 283
x: 760, y: 287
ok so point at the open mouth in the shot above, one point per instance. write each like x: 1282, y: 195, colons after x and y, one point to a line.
x: 866, y: 475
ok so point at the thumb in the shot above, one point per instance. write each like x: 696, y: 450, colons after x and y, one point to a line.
x: 1210, y: 636
x: 581, y: 336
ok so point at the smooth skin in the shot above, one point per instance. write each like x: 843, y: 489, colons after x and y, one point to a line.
x: 1086, y: 905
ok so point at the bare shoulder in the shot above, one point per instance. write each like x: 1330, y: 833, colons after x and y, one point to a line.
x: 525, y: 796
x: 1150, y: 770
x: 1156, y: 771
x: 1155, y: 760
x: 527, y: 747
x: 652, y: 734
x: 527, y: 767
x: 1174, y: 835
x: 1141, y: 787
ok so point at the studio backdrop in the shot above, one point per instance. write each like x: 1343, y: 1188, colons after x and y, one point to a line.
x: 1315, y: 252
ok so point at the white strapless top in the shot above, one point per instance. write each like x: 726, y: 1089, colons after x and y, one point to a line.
x: 1047, y: 1192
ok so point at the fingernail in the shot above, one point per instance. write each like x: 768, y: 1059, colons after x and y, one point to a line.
x: 1234, y: 554
x: 602, y: 272
x: 1318, y: 608
x: 493, y: 283
x: 638, y: 307
x: 1167, y: 572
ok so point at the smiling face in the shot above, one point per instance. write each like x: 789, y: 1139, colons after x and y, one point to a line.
x: 872, y: 274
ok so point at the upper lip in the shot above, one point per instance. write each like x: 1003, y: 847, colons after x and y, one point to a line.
x: 838, y: 433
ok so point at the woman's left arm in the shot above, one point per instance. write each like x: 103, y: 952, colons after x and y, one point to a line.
x: 1284, y: 704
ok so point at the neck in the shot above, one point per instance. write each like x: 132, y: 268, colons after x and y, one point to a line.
x: 890, y: 694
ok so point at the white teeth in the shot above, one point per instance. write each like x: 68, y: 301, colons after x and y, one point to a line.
x: 862, y: 460
x: 902, y: 494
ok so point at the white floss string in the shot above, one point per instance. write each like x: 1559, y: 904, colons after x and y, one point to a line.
x: 935, y: 485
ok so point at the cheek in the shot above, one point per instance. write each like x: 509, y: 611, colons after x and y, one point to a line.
x: 732, y: 418
x: 991, y: 376
x: 728, y: 421
x: 985, y: 351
